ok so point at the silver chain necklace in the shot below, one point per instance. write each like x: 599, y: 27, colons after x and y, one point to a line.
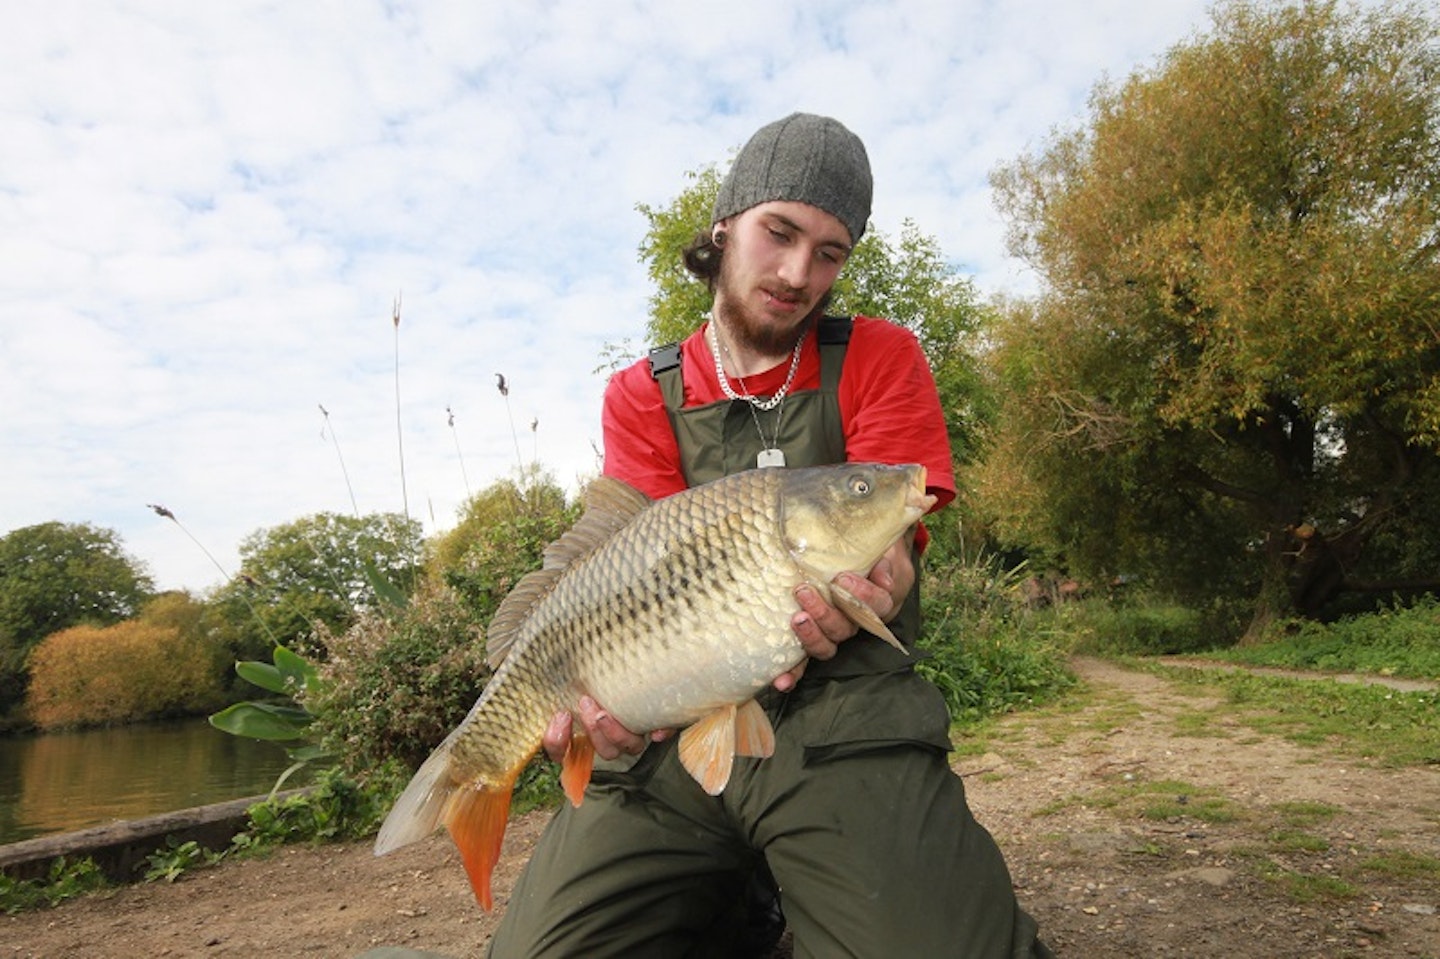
x: 770, y: 452
x: 763, y: 406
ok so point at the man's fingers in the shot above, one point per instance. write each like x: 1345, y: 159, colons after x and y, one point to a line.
x: 786, y: 681
x: 607, y: 735
x: 557, y: 736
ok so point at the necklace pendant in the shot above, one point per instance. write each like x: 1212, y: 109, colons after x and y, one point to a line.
x: 770, y: 457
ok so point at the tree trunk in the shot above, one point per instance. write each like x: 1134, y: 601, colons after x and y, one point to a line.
x: 1275, y: 599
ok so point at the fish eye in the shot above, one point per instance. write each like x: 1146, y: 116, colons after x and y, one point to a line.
x: 860, y: 486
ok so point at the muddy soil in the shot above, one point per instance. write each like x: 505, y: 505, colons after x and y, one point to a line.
x: 1139, y: 818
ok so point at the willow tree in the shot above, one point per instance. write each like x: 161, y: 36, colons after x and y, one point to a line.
x: 1231, y: 376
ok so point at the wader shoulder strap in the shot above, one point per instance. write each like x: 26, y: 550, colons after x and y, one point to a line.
x: 665, y: 370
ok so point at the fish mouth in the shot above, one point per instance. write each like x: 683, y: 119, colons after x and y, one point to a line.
x: 915, y: 497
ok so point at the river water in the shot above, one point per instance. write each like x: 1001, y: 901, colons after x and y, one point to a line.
x: 61, y: 782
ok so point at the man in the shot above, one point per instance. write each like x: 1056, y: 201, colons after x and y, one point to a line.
x: 857, y: 815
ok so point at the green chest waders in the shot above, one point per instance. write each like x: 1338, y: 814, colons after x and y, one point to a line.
x: 717, y: 439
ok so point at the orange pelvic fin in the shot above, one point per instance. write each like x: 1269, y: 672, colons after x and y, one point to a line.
x: 754, y: 736
x: 476, y: 819
x: 707, y: 749
x: 576, y: 768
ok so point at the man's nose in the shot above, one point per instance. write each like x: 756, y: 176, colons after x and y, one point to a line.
x: 795, y: 267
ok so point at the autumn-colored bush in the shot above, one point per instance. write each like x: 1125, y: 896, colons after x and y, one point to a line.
x: 90, y: 675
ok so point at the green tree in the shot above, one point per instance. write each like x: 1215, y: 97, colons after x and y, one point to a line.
x: 501, y: 536
x: 54, y: 576
x: 1232, y: 375
x: 908, y: 281
x: 321, y: 570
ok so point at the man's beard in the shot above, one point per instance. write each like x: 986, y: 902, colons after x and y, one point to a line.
x: 744, y: 331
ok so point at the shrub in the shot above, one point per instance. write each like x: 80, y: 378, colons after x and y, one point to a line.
x: 1096, y: 626
x: 1398, y: 640
x: 395, y: 683
x: 91, y: 675
x: 398, y: 681
x: 336, y: 808
x: 65, y: 879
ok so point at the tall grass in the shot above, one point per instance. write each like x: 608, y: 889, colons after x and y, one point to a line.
x: 399, y: 433
x: 988, y: 653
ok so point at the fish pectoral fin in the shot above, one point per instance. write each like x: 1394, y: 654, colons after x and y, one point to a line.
x: 476, y: 817
x: 707, y: 749
x: 863, y: 616
x: 754, y: 736
x: 575, y: 770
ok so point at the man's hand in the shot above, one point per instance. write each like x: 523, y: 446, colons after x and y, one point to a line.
x: 821, y: 628
x: 609, y: 738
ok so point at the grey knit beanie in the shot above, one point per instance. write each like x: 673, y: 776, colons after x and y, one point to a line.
x: 803, y: 157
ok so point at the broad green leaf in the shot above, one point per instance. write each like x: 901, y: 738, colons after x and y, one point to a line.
x: 260, y: 674
x: 262, y: 721
x: 386, y: 591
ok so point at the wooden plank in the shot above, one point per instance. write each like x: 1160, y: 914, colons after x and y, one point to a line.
x: 120, y: 848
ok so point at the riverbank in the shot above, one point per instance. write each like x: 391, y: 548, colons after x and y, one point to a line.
x: 120, y: 849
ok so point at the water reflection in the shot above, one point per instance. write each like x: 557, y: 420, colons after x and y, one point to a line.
x: 60, y: 782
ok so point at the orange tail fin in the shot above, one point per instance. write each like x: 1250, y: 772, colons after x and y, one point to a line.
x: 476, y: 819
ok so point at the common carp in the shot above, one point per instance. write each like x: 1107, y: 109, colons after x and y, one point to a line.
x: 669, y: 613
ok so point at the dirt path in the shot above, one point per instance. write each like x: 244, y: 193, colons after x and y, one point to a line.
x: 1140, y: 822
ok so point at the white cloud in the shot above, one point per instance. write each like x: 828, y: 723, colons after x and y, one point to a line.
x: 206, y: 211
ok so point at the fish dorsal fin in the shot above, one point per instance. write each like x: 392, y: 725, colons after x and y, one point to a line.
x: 609, y: 505
x: 514, y: 608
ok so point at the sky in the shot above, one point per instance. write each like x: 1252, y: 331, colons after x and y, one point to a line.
x: 208, y: 212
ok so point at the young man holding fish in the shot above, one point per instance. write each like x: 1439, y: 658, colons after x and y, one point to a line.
x: 856, y: 814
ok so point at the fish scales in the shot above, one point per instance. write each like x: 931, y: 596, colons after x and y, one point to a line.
x: 673, y: 613
x: 652, y: 607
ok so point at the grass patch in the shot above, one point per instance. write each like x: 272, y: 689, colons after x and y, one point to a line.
x: 1297, y: 840
x: 1305, y: 813
x: 1301, y: 887
x: 1200, y: 724
x: 1403, y: 865
x: 1390, y: 727
x: 1164, y: 799
x: 1169, y: 799
x: 1396, y: 641
x: 1304, y: 887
